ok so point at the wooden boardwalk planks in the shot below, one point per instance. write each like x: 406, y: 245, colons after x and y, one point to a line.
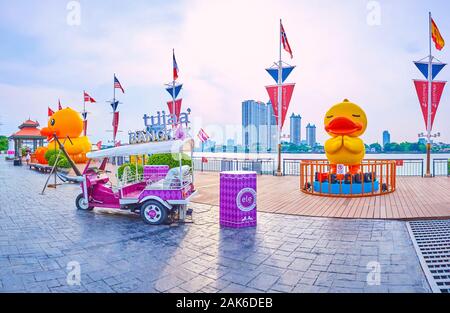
x: 415, y: 198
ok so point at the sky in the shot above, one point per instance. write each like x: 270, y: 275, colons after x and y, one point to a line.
x: 356, y: 49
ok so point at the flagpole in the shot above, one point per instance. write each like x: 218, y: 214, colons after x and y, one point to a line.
x: 430, y: 85
x: 84, y: 112
x: 173, y: 89
x: 114, y: 103
x: 280, y: 81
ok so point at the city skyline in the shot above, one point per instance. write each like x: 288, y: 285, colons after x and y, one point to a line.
x: 43, y: 59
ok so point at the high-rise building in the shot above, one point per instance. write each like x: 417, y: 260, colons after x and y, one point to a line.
x: 296, y: 126
x: 386, y: 138
x: 311, y: 135
x: 258, y: 126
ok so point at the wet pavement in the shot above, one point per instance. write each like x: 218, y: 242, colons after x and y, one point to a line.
x: 45, y: 242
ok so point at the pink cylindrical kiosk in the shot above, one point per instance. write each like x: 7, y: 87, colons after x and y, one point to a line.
x: 238, y: 199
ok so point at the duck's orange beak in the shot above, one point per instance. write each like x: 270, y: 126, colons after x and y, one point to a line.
x: 49, y: 133
x: 342, y: 126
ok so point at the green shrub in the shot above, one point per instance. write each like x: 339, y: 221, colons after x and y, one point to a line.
x: 168, y: 159
x: 62, y: 161
x: 132, y: 169
x: 49, y: 153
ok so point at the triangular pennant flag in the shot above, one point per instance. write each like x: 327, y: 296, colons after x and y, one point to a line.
x: 422, y: 93
x: 115, y: 123
x: 50, y: 112
x: 85, y: 123
x: 177, y: 88
x: 436, y: 68
x: 114, y: 105
x: 177, y: 107
x: 287, y: 91
x: 59, y: 105
x: 286, y: 71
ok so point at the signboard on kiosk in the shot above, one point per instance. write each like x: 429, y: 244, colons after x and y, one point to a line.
x: 160, y: 127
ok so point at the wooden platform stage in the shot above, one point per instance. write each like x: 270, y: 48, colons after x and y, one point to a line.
x: 415, y: 198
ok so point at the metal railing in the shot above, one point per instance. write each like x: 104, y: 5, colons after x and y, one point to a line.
x: 405, y: 167
x: 260, y: 166
x: 291, y: 167
x: 441, y: 167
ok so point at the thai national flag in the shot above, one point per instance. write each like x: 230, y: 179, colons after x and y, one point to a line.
x: 285, y: 41
x: 202, y: 135
x: 117, y: 84
x: 175, y: 67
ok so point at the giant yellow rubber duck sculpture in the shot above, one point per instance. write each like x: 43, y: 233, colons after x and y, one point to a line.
x: 345, y: 122
x: 66, y: 123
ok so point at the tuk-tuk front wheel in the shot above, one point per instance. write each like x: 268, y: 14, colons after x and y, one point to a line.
x: 154, y: 213
x: 82, y: 204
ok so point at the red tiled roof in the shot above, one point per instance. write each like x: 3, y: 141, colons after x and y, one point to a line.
x: 28, y: 129
x: 28, y: 132
x: 29, y: 123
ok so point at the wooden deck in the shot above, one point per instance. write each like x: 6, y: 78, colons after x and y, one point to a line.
x: 415, y: 198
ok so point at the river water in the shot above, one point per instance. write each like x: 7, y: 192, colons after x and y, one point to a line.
x: 384, y: 156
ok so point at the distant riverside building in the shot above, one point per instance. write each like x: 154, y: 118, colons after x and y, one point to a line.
x: 296, y: 126
x: 259, y: 128
x: 311, y: 135
x: 386, y: 138
x: 230, y: 142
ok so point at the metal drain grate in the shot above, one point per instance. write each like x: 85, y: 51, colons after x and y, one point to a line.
x: 431, y: 239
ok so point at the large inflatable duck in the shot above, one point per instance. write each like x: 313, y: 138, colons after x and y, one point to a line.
x: 345, y: 122
x: 66, y: 123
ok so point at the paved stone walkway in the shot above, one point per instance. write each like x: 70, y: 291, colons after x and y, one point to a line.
x: 41, y: 235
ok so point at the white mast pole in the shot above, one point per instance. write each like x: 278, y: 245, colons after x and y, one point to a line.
x: 173, y: 89
x: 280, y: 88
x: 430, y: 85
x: 114, y: 101
x: 84, y: 111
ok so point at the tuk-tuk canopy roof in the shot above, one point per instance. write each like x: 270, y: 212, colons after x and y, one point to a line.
x: 171, y: 146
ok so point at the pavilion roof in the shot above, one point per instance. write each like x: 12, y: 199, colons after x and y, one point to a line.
x: 28, y: 130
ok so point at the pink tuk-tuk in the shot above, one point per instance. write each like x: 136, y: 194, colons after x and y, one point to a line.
x: 159, y: 194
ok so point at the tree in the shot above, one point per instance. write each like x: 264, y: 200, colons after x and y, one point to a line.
x: 3, y: 143
x: 376, y: 146
x: 391, y: 147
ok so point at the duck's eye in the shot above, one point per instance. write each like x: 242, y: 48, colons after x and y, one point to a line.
x: 356, y: 115
x: 330, y: 116
x: 52, y: 122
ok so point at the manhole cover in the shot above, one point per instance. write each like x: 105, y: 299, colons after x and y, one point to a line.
x: 432, y: 243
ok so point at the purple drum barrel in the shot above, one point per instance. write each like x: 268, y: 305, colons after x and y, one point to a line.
x: 238, y: 199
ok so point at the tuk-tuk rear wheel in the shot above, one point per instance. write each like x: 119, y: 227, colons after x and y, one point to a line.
x: 81, y: 203
x: 154, y: 213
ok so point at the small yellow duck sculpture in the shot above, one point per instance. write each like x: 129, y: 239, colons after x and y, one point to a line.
x: 66, y: 123
x: 345, y: 122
